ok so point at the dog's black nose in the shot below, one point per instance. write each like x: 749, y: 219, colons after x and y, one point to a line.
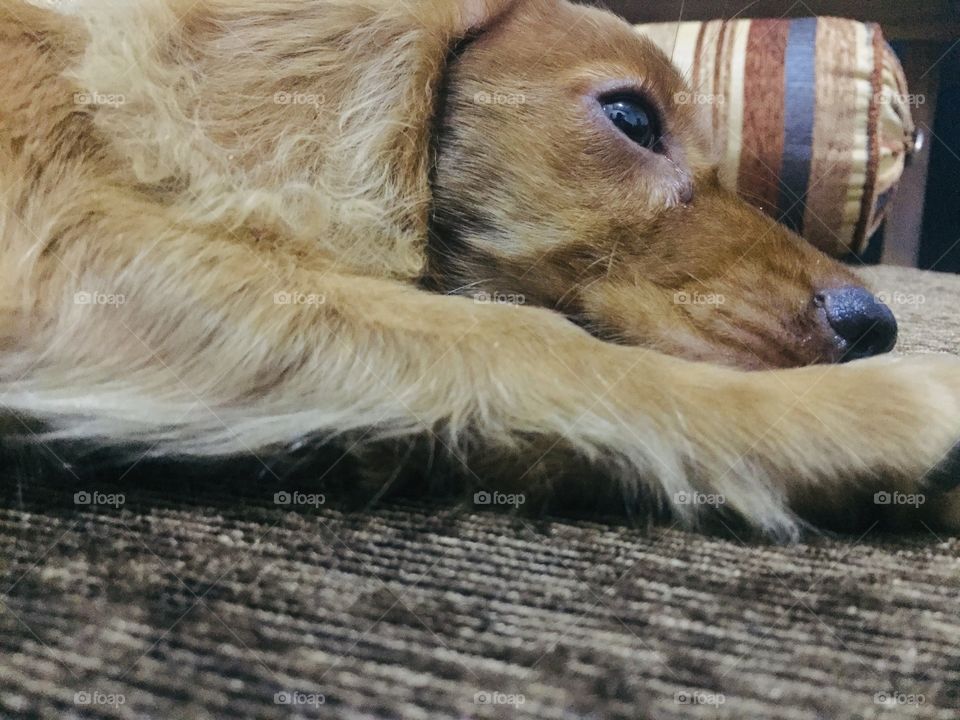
x: 865, y: 325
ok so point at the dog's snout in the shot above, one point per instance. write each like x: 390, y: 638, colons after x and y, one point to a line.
x: 865, y: 326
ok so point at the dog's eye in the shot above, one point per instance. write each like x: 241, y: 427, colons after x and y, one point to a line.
x: 635, y: 119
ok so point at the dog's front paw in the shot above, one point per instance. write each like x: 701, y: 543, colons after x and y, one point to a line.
x: 845, y: 445
x: 905, y: 416
x: 935, y: 419
x: 907, y: 435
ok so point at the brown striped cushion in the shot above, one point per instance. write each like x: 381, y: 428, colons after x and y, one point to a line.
x: 811, y: 117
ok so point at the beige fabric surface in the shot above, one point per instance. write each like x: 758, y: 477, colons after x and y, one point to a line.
x: 203, y: 599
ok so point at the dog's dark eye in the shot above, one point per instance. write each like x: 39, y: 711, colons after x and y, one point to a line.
x: 635, y: 119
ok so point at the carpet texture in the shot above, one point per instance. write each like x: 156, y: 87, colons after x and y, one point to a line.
x: 210, y: 602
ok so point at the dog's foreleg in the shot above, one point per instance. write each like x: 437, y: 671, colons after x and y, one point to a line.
x: 143, y: 331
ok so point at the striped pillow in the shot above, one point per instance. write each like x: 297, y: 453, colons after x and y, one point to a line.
x: 811, y: 117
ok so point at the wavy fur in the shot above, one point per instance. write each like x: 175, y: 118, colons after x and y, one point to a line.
x: 328, y: 153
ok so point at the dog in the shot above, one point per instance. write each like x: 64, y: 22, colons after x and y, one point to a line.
x: 230, y: 227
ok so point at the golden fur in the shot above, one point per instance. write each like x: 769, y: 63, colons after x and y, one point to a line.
x: 231, y: 226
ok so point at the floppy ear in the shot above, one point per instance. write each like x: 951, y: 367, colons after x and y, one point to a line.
x: 349, y: 168
x: 408, y: 78
x: 442, y: 25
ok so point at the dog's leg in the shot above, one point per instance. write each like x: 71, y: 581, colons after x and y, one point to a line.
x: 144, y: 331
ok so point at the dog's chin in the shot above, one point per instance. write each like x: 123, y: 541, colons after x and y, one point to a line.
x: 757, y: 342
x: 775, y: 358
x: 743, y: 356
x: 739, y: 349
x: 743, y: 336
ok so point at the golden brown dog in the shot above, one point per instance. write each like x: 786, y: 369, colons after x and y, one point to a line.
x: 230, y: 226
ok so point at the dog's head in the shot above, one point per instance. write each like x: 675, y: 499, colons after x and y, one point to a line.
x: 570, y: 175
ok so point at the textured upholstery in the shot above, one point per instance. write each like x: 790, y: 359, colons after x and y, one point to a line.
x: 811, y: 117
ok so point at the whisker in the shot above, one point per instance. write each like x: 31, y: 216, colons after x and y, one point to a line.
x: 457, y: 290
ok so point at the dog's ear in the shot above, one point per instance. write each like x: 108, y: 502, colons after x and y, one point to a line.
x: 477, y: 15
x: 375, y: 71
x: 439, y: 28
